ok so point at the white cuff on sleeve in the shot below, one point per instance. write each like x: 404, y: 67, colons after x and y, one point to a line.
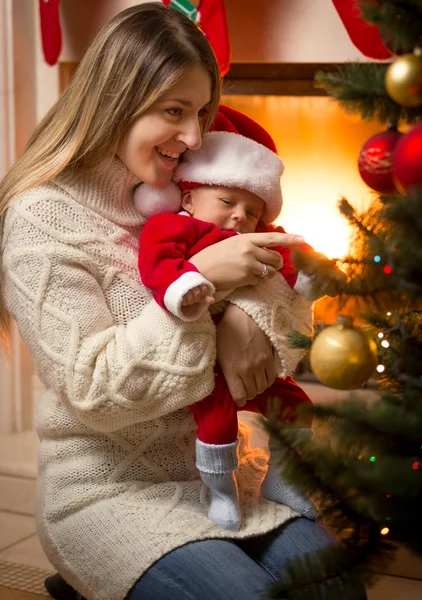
x: 176, y: 290
x: 307, y: 287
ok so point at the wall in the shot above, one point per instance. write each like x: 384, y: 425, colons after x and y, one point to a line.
x: 288, y: 31
x: 36, y: 85
x: 7, y: 151
x: 28, y: 87
x: 260, y: 30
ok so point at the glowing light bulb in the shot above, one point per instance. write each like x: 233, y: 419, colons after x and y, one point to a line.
x: 380, y: 335
x: 389, y: 314
x: 385, y: 344
x: 377, y: 258
x: 380, y: 368
x: 384, y: 531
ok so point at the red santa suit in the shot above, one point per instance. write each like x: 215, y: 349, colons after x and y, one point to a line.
x: 167, y: 242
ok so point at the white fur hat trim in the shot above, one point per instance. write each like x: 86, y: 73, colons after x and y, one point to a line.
x: 232, y: 160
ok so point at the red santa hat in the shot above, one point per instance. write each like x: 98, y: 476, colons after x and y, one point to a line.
x: 237, y: 152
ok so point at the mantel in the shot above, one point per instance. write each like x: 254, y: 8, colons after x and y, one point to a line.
x: 260, y: 79
x: 274, y: 79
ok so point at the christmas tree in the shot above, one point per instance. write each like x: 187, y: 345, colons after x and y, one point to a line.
x: 365, y: 471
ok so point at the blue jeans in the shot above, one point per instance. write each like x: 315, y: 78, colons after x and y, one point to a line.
x: 232, y: 570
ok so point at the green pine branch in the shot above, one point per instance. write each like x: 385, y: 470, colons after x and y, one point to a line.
x: 360, y: 89
x: 357, y: 556
x: 399, y: 22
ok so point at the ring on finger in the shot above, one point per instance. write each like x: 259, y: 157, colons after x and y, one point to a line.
x: 264, y: 272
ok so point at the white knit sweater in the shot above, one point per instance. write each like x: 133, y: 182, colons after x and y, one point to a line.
x: 118, y: 487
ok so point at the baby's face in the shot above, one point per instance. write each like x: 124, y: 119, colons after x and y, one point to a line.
x: 232, y: 209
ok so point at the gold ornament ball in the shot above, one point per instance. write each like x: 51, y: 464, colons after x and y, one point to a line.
x: 343, y: 357
x: 403, y: 79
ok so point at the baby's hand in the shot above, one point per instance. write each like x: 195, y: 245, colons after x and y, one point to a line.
x: 197, y: 295
x: 323, y: 276
x: 331, y: 283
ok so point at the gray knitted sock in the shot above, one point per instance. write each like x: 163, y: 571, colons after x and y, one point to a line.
x: 275, y: 488
x: 216, y: 464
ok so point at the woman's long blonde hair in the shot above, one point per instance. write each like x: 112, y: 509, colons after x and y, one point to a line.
x: 138, y: 56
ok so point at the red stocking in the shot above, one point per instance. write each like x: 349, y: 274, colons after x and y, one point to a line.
x: 51, y: 33
x: 363, y: 35
x: 213, y: 22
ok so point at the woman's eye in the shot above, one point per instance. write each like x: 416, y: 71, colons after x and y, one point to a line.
x: 203, y: 112
x: 174, y: 112
x: 253, y: 215
x: 226, y: 202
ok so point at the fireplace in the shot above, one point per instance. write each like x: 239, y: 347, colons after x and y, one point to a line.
x: 319, y: 144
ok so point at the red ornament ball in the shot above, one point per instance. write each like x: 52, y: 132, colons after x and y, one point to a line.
x: 407, y: 160
x: 375, y: 161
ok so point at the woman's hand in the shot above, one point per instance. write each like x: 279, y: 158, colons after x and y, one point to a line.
x: 245, y: 355
x: 240, y: 260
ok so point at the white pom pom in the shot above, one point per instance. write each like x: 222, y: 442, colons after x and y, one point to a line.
x: 151, y: 201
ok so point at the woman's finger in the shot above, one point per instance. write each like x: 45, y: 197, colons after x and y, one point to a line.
x: 270, y: 372
x: 248, y: 381
x: 261, y: 383
x: 268, y: 257
x: 275, y: 239
x: 236, y: 388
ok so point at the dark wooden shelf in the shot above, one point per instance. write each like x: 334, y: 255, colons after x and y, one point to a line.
x: 274, y: 79
x: 257, y: 79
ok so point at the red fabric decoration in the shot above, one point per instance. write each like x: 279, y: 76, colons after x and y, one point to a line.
x: 407, y: 160
x: 231, y: 120
x: 375, y: 161
x: 213, y: 22
x: 363, y: 35
x: 51, y: 33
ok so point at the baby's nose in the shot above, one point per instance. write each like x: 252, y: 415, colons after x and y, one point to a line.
x: 240, y: 216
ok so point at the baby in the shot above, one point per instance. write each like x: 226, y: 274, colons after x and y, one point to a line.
x: 230, y: 186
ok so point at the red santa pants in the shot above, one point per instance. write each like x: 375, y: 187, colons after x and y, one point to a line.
x: 216, y: 415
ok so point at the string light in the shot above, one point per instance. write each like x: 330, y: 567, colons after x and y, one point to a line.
x: 373, y: 459
x: 377, y: 258
x: 385, y: 344
x: 387, y: 269
x: 389, y: 314
x: 415, y: 466
x: 380, y: 335
x: 380, y: 368
x: 384, y: 531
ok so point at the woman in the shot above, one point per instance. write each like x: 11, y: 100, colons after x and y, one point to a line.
x: 121, y: 512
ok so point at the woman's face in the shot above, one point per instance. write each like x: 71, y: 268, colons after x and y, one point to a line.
x: 152, y: 146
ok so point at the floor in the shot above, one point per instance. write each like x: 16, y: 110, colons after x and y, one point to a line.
x: 23, y: 565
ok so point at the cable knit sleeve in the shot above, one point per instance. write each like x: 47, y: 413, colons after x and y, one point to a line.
x: 109, y: 352
x: 277, y: 309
